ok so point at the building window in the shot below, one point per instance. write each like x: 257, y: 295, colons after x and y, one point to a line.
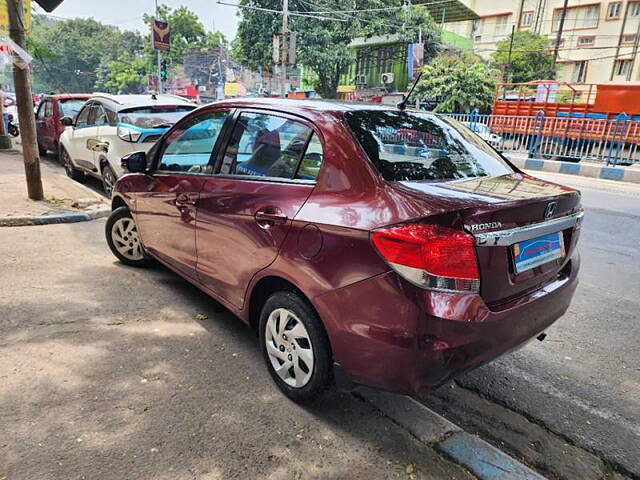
x: 586, y: 41
x: 579, y: 71
x: 628, y: 39
x: 614, y: 10
x: 477, y: 38
x: 526, y: 19
x: 577, y: 18
x: 501, y: 24
x: 553, y: 42
x: 634, y: 9
x: 621, y: 67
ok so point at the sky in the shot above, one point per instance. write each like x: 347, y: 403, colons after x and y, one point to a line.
x: 127, y: 14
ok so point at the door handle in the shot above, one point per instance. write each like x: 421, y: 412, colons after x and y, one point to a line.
x: 271, y: 216
x: 185, y: 199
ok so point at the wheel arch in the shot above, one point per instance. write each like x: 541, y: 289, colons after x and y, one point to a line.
x: 117, y: 201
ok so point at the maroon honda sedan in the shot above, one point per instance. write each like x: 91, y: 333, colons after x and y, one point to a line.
x: 359, y: 257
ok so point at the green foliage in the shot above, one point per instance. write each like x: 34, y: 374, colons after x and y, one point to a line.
x: 323, y: 43
x: 69, y: 53
x: 530, y: 57
x: 459, y: 82
x: 126, y: 74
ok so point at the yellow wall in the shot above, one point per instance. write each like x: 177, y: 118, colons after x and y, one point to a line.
x: 588, y: 20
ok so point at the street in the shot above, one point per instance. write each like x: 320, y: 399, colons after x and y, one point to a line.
x: 112, y: 372
x: 116, y: 372
x: 583, y: 381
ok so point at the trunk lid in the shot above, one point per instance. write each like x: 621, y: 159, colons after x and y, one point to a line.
x: 517, y: 203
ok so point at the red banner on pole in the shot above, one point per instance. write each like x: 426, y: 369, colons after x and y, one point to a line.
x: 161, y: 35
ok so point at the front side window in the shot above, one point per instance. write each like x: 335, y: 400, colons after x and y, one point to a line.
x: 83, y: 117
x: 408, y: 146
x: 100, y: 115
x: 267, y: 146
x: 189, y: 149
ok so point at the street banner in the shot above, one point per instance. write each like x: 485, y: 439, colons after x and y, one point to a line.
x: 4, y: 16
x: 415, y: 58
x: 161, y: 35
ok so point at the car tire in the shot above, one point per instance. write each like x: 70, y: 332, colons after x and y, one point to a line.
x: 292, y: 334
x: 71, y: 171
x: 109, y: 180
x: 41, y: 150
x: 123, y: 239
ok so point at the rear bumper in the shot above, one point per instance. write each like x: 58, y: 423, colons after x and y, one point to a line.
x: 390, y: 335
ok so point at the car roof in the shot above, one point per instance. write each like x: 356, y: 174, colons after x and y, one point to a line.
x: 292, y: 104
x: 68, y: 96
x: 121, y: 102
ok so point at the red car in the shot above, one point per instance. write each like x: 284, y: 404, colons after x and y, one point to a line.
x: 358, y: 259
x: 51, y: 111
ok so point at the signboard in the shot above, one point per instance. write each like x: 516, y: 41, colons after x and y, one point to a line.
x: 415, y: 58
x: 161, y: 35
x: 4, y: 16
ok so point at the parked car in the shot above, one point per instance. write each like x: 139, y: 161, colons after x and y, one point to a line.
x: 485, y: 133
x: 49, y: 116
x: 356, y: 261
x: 109, y: 126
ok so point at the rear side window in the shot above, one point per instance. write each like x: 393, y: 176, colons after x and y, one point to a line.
x: 271, y: 146
x: 413, y: 146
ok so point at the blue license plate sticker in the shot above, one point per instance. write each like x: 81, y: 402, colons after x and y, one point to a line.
x: 538, y: 251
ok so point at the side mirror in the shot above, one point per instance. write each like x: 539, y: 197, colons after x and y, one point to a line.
x: 135, y: 162
x: 67, y: 121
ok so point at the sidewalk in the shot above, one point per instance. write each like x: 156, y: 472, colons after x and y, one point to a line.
x: 629, y: 174
x: 65, y: 201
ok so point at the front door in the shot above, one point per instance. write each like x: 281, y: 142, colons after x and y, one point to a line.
x: 85, y: 131
x: 246, y: 210
x: 166, y: 211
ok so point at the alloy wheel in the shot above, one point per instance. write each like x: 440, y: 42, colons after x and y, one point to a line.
x: 289, y: 347
x: 125, y: 239
x: 109, y: 181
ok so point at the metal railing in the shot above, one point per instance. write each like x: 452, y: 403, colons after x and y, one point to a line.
x: 612, y: 141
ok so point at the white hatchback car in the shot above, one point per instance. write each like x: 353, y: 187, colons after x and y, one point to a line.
x: 110, y: 126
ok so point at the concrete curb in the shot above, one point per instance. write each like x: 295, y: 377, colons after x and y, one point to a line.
x: 621, y: 174
x: 66, y: 217
x: 471, y: 452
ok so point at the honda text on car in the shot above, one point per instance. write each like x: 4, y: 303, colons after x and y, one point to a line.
x: 357, y: 258
x: 109, y: 126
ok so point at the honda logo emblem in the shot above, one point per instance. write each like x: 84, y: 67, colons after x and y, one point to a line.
x: 550, y: 210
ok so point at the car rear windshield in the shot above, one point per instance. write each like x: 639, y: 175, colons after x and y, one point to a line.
x: 410, y: 146
x: 154, y: 117
x: 70, y: 107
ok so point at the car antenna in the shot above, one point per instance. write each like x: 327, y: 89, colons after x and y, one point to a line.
x: 403, y: 104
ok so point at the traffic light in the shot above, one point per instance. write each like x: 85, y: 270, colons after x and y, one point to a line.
x: 163, y: 71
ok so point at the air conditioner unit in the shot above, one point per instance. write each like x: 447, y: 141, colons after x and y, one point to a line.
x: 386, y: 78
x: 361, y: 79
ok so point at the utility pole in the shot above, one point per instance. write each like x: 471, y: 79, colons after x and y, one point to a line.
x: 160, y: 89
x: 508, y: 67
x: 25, y: 105
x: 552, y: 72
x: 283, y: 59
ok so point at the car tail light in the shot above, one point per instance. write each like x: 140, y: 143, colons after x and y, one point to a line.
x: 430, y: 256
x: 129, y: 134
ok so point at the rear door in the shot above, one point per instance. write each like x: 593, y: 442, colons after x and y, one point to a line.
x: 166, y: 211
x: 246, y: 210
x: 44, y: 124
x: 84, y: 133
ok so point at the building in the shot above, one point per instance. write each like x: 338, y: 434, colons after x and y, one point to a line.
x: 599, y: 42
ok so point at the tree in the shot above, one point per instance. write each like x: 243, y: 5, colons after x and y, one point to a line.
x: 69, y: 53
x: 530, y: 57
x: 459, y: 83
x: 323, y: 40
x: 126, y: 74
